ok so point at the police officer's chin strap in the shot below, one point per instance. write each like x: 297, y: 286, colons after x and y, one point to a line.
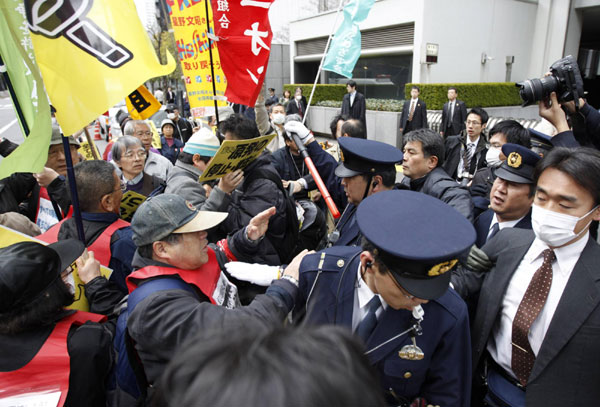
x: 415, y: 330
x: 369, y: 180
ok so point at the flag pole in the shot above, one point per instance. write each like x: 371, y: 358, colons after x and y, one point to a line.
x: 210, y: 54
x: 312, y: 92
x: 13, y: 96
x: 73, y: 188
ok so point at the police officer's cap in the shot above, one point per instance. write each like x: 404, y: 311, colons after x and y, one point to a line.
x: 360, y: 156
x: 417, y: 237
x: 27, y: 269
x: 540, y: 140
x: 519, y: 165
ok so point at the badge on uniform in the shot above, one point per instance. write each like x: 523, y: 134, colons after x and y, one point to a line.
x: 413, y: 352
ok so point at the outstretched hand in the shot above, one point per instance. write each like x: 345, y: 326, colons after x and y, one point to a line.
x: 258, y: 225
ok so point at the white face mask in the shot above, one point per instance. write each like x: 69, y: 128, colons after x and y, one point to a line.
x: 298, y: 97
x: 278, y: 118
x: 171, y: 116
x: 555, y: 229
x: 492, y: 157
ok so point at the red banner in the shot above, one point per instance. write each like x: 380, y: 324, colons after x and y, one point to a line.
x: 244, y: 46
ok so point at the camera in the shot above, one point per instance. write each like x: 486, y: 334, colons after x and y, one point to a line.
x: 565, y: 80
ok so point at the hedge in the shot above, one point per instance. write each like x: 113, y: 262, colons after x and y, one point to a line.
x: 473, y: 94
x: 385, y: 105
x: 322, y: 92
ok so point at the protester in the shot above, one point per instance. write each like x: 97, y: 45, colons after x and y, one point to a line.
x: 279, y: 360
x: 170, y: 146
x: 155, y: 163
x: 129, y: 155
x: 100, y: 191
x: 354, y: 128
x: 270, y: 122
x: 45, y: 347
x: 392, y: 287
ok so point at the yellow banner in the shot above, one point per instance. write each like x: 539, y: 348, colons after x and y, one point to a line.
x: 86, y: 150
x: 129, y: 203
x: 91, y: 55
x: 141, y: 104
x: 188, y: 19
x: 234, y: 155
x: 9, y: 236
x: 155, y: 135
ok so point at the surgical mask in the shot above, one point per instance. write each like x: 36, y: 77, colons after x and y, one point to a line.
x: 555, y: 229
x: 278, y: 118
x: 492, y: 157
x: 298, y: 97
x: 171, y: 116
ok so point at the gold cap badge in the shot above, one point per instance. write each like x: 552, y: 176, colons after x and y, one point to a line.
x: 514, y: 160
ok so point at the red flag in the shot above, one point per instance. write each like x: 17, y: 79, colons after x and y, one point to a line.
x: 244, y: 46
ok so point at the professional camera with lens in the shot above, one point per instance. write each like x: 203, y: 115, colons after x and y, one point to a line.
x: 565, y: 80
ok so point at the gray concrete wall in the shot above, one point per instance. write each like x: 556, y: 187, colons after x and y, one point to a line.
x: 278, y: 70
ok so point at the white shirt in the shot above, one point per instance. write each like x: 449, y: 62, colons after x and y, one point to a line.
x: 502, y: 225
x: 499, y: 344
x: 462, y: 150
x: 362, y: 296
x: 352, y: 96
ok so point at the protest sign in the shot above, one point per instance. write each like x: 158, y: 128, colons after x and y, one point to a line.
x: 141, y: 104
x: 234, y: 155
x: 86, y: 150
x: 155, y: 135
x: 129, y: 203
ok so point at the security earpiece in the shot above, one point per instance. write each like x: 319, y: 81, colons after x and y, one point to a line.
x: 369, y: 264
x: 375, y: 183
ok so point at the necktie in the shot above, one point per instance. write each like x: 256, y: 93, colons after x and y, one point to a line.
x: 412, y: 111
x: 532, y: 303
x: 299, y: 103
x: 367, y: 325
x: 495, y: 229
x: 451, y: 111
x: 468, y: 155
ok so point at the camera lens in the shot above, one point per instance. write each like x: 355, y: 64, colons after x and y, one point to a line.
x: 534, y: 90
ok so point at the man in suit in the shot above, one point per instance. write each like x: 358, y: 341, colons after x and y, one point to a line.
x: 414, y: 113
x: 381, y: 291
x: 454, y: 114
x: 511, y: 195
x: 465, y: 153
x: 537, y: 328
x: 354, y: 105
x: 297, y: 105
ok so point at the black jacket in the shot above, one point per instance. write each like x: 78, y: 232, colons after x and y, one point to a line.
x: 454, y: 147
x: 454, y: 127
x: 419, y: 120
x: 439, y: 185
x: 291, y: 168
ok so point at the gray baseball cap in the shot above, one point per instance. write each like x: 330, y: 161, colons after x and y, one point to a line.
x: 161, y: 215
x: 57, y: 137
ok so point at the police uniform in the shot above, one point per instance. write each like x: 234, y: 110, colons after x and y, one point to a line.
x: 360, y: 156
x: 398, y: 223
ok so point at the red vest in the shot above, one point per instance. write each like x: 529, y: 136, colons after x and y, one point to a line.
x: 206, y: 278
x: 100, y: 247
x: 49, y: 370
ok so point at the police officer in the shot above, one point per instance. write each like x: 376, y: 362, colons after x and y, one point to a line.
x: 366, y: 167
x: 394, y: 294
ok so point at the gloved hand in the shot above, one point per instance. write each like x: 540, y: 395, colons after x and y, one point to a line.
x: 478, y: 260
x: 259, y: 274
x: 300, y: 129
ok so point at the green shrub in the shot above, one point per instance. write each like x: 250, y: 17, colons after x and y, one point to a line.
x: 386, y: 105
x: 322, y: 92
x: 473, y: 94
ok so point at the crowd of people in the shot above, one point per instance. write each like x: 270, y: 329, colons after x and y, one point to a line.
x: 462, y: 270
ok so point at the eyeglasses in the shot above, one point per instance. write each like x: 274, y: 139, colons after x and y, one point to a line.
x: 137, y: 154
x: 472, y: 122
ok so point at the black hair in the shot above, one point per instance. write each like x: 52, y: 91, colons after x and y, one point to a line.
x: 388, y: 177
x: 479, y: 112
x: 415, y: 87
x: 240, y: 127
x: 334, y: 122
x: 453, y: 88
x: 188, y: 158
x: 147, y: 250
x: 40, y: 311
x: 354, y: 128
x: 582, y: 164
x: 257, y: 365
x: 351, y: 83
x: 513, y: 132
x: 431, y: 143
x: 94, y: 178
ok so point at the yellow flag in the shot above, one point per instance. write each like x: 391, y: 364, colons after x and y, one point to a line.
x: 92, y: 54
x: 141, y: 104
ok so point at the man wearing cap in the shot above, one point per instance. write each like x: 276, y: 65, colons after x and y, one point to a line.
x: 535, y: 334
x: 178, y: 288
x: 100, y: 192
x: 45, y: 348
x: 190, y: 165
x: 182, y: 128
x: 511, y: 196
x: 423, y: 172
x: 382, y: 290
x: 155, y: 163
x: 42, y: 197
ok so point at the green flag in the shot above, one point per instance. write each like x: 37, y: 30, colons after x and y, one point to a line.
x: 17, y: 52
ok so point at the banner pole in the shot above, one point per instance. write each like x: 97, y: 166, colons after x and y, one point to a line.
x: 210, y: 54
x: 312, y: 92
x: 13, y: 96
x: 73, y: 188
